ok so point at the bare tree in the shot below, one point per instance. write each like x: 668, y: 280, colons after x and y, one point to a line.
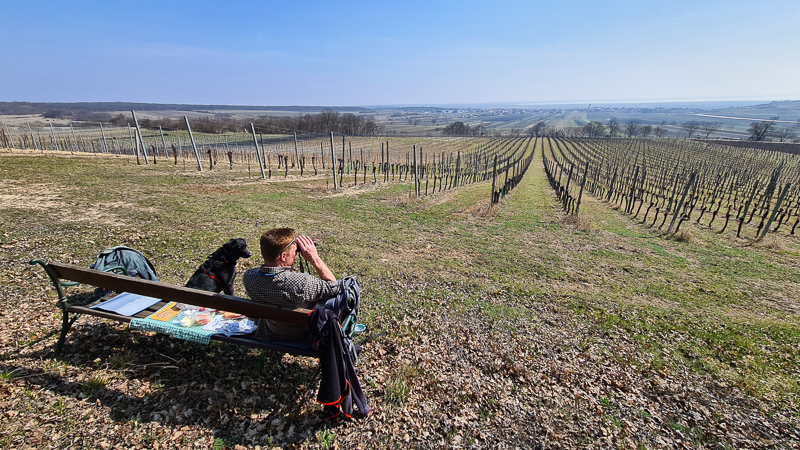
x: 593, y: 129
x: 328, y: 119
x: 536, y: 129
x: 632, y: 128
x: 646, y: 130
x: 710, y: 127
x: 478, y: 130
x: 759, y: 130
x: 371, y: 128
x: 348, y: 123
x: 457, y: 129
x: 613, y: 127
x: 784, y: 134
x: 690, y: 128
x: 552, y: 132
x: 574, y: 132
x: 660, y: 132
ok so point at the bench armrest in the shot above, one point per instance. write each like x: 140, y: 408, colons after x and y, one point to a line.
x: 55, y: 279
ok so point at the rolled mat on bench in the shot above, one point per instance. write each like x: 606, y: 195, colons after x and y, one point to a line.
x: 192, y: 334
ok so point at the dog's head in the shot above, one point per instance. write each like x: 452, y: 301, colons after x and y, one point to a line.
x: 236, y: 248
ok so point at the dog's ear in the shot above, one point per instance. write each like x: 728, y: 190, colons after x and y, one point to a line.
x: 230, y: 247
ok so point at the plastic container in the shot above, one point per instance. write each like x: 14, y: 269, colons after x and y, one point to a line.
x: 187, y: 321
x: 202, y: 317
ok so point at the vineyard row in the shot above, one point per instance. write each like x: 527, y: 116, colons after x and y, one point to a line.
x: 676, y: 179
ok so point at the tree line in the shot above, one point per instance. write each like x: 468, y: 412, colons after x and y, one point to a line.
x: 631, y: 128
x: 326, y: 121
x: 764, y: 130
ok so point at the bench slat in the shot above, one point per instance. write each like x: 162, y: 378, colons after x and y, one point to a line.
x: 273, y: 346
x: 121, y: 283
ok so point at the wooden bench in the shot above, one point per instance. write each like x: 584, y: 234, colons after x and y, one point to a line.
x: 73, y: 306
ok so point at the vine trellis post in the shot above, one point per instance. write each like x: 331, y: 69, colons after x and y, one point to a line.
x: 194, y: 145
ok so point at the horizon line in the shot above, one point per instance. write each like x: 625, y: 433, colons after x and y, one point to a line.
x: 460, y: 104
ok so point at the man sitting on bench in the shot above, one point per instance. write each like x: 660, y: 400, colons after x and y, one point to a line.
x: 277, y: 283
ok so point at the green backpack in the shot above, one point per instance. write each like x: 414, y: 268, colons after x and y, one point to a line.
x: 125, y: 260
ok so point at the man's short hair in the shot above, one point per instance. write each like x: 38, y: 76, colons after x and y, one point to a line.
x: 275, y: 241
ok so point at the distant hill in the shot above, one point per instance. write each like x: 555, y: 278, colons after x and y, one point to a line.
x: 730, y: 119
x: 787, y: 110
x: 77, y: 108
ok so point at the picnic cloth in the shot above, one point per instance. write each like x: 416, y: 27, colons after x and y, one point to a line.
x: 197, y: 333
x: 192, y: 334
x: 171, y: 327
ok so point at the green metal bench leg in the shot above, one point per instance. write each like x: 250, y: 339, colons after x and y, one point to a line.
x: 66, y: 324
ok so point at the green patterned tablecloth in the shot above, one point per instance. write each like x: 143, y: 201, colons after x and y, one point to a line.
x: 193, y: 334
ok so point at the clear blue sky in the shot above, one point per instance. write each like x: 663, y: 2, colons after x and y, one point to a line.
x: 405, y: 52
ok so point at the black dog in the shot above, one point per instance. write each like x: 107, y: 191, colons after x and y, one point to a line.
x: 219, y: 270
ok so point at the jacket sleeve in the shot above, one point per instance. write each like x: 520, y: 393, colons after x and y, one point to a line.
x: 317, y: 290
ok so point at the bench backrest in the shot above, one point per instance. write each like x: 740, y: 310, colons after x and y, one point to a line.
x: 168, y: 292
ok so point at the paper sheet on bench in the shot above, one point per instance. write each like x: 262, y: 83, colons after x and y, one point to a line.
x: 127, y: 304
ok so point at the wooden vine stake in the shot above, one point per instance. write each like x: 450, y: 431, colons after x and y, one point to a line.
x: 296, y: 154
x: 141, y: 141
x: 679, y: 206
x: 775, y: 211
x: 55, y: 141
x: 194, y: 145
x: 416, y: 173
x: 105, y: 143
x: 258, y: 152
x: 580, y: 193
x: 494, y: 179
x: 333, y: 161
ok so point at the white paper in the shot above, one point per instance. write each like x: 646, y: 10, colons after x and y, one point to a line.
x: 127, y: 304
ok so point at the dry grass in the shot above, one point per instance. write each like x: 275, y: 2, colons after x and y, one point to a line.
x: 489, y: 211
x: 407, y: 199
x: 580, y: 223
x: 771, y: 242
x: 684, y: 236
x: 481, y: 209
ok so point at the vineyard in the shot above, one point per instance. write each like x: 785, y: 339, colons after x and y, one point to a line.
x: 441, y: 163
x: 669, y: 182
x: 517, y: 292
x: 663, y: 183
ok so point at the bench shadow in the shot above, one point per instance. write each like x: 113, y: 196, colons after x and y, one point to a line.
x: 242, y: 395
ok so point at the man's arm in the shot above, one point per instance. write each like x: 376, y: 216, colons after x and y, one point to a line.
x: 308, y: 251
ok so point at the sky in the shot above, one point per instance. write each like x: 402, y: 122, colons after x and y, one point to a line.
x: 365, y: 53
